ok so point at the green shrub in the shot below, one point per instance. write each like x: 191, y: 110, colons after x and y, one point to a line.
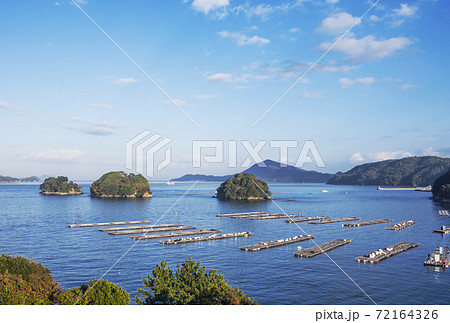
x: 99, y: 292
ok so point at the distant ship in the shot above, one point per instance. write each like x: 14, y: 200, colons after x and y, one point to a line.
x: 170, y: 183
x: 324, y: 191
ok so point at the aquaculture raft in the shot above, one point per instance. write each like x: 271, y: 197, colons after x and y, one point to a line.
x: 401, y: 225
x: 276, y: 243
x: 320, y: 249
x: 335, y: 220
x: 360, y: 224
x: 154, y: 226
x: 175, y: 234
x: 311, y: 218
x: 439, y: 258
x: 272, y: 217
x: 443, y: 229
x: 87, y: 225
x: 207, y: 238
x: 249, y: 216
x: 241, y: 213
x: 127, y: 232
x: 383, y: 254
x: 444, y: 212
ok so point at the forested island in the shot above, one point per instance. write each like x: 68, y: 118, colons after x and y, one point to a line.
x: 59, y: 186
x: 411, y: 171
x: 9, y: 179
x: 121, y: 184
x: 244, y: 186
x: 441, y: 188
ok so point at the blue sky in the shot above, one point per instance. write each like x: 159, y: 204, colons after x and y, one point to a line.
x: 70, y: 99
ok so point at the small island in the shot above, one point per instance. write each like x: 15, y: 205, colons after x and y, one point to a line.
x: 244, y: 186
x: 121, y: 184
x: 441, y: 188
x: 59, y: 186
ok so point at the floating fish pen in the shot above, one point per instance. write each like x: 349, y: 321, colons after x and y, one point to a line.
x: 276, y: 243
x: 360, y: 224
x: 175, y: 234
x: 140, y: 231
x: 320, y: 249
x: 443, y: 230
x: 439, y: 258
x: 311, y: 218
x: 401, y: 225
x: 88, y: 225
x: 383, y: 254
x: 207, y: 238
x: 334, y: 220
x: 154, y: 226
x: 242, y: 213
x: 444, y: 212
x: 272, y: 217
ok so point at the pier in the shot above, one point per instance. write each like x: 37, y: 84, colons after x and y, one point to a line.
x: 360, y: 224
x: 139, y: 227
x: 444, y: 212
x: 320, y: 249
x: 443, y: 230
x: 272, y: 217
x: 420, y: 189
x: 311, y: 218
x: 383, y: 254
x: 401, y: 225
x: 206, y: 238
x: 276, y: 243
x: 175, y: 234
x: 242, y: 213
x: 334, y: 220
x: 139, y: 231
x: 88, y: 225
x: 439, y: 258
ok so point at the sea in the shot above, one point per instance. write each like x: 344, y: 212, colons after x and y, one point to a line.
x: 36, y: 226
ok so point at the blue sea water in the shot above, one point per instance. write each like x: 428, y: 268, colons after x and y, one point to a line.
x: 36, y: 226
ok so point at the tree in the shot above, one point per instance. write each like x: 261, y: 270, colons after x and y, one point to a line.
x: 120, y: 184
x: 243, y: 186
x: 97, y: 292
x: 189, y: 285
x: 25, y: 282
x: 441, y: 188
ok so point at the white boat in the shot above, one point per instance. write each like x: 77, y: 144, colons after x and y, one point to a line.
x: 170, y: 183
x: 324, y: 191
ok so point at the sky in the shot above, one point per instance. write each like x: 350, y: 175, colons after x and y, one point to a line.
x: 363, y: 80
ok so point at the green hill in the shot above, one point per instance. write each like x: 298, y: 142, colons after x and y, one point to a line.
x: 121, y: 184
x: 59, y: 186
x: 411, y: 171
x: 441, y: 188
x: 243, y: 186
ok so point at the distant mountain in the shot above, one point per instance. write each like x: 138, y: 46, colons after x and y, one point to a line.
x: 273, y: 172
x: 8, y: 179
x: 411, y: 171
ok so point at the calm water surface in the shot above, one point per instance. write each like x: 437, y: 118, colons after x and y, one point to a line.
x: 36, y: 226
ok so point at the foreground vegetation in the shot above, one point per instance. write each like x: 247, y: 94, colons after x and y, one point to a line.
x: 411, y: 171
x: 59, y: 186
x: 441, y: 188
x: 190, y: 284
x: 243, y: 186
x: 25, y: 282
x: 120, y: 184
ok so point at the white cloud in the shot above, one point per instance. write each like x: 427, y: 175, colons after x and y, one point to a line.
x: 100, y: 105
x: 348, y: 83
x: 206, y: 6
x: 358, y: 158
x: 405, y: 10
x: 205, y: 96
x: 431, y: 152
x: 220, y: 77
x: 337, y: 23
x: 8, y: 107
x: 293, y: 30
x: 310, y: 95
x: 96, y: 128
x: 178, y: 102
x: 368, y: 48
x: 243, y: 39
x: 62, y: 155
x: 333, y: 1
x: 409, y: 86
x: 124, y: 80
x: 374, y: 18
